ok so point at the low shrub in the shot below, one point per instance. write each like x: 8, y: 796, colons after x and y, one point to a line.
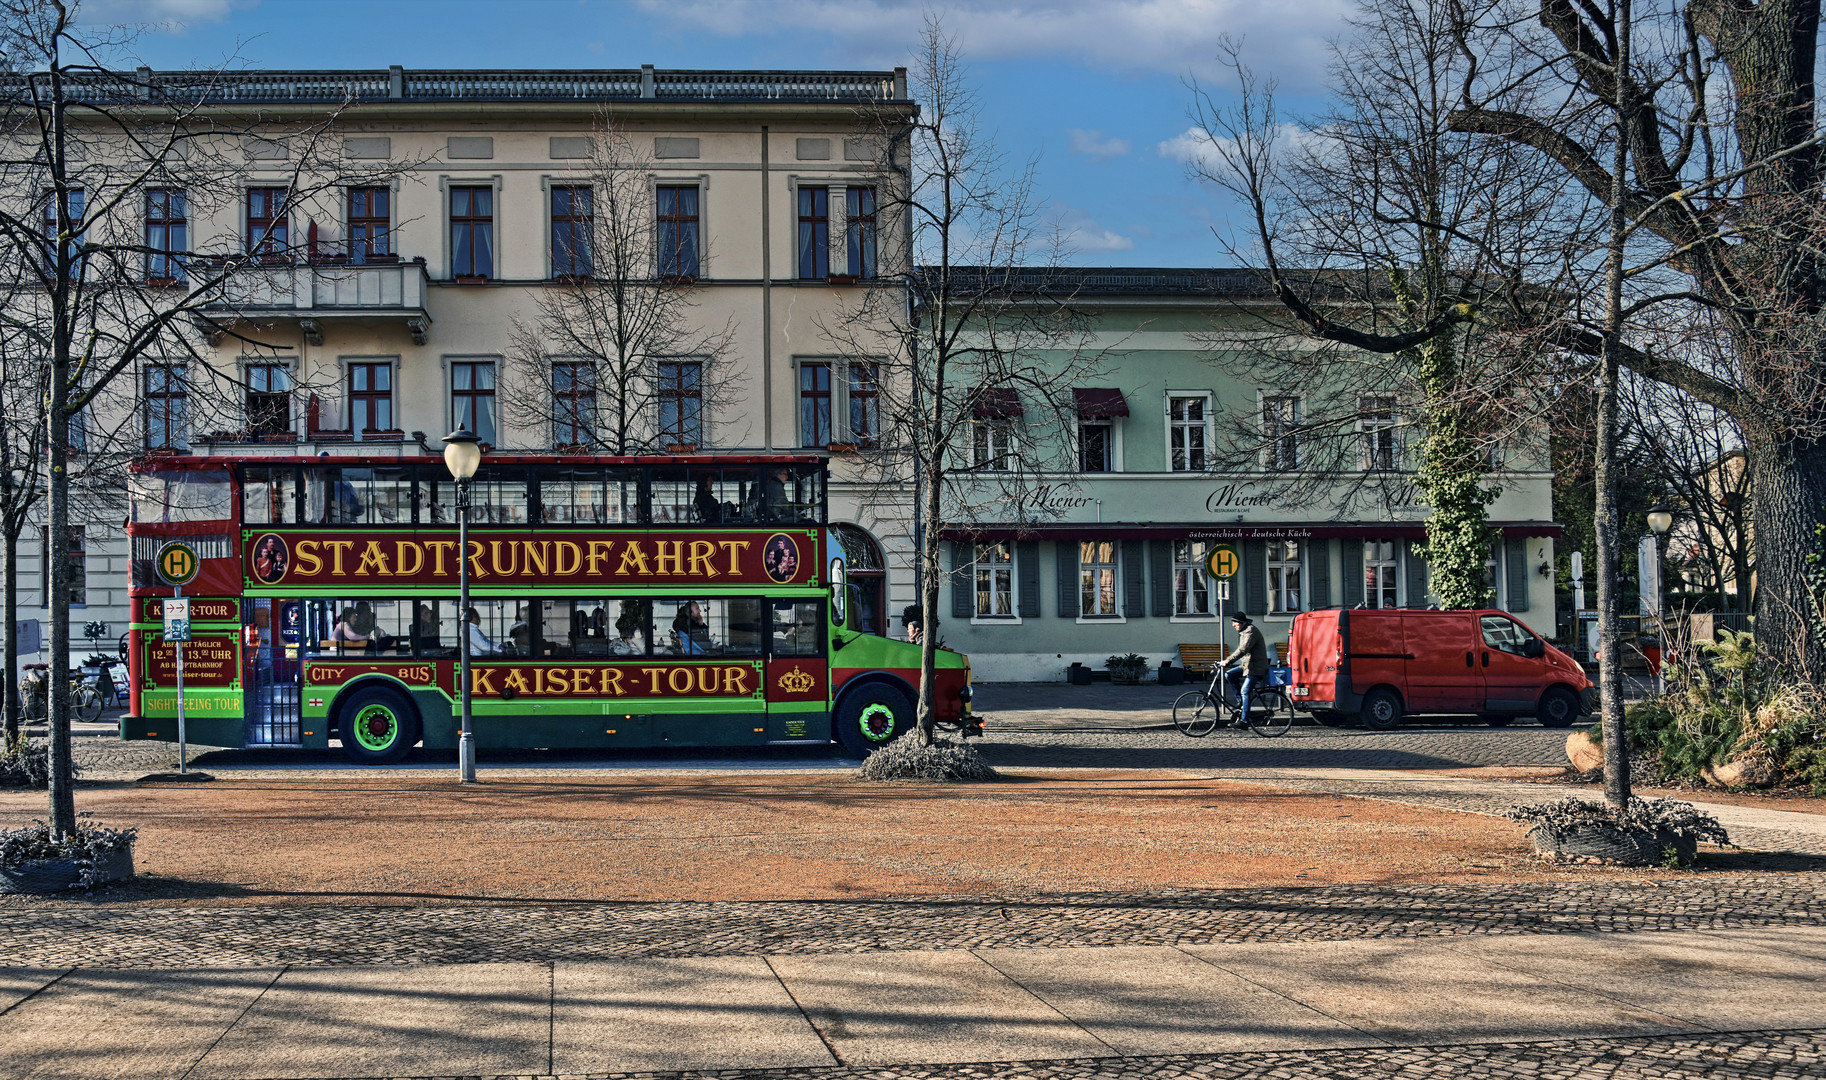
x: 88, y: 844
x: 1565, y: 817
x: 28, y: 765
x: 944, y: 760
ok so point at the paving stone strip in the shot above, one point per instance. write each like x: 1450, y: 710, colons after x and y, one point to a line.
x: 63, y: 935
x: 1746, y: 1055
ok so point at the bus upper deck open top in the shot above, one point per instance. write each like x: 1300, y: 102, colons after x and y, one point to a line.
x: 614, y: 602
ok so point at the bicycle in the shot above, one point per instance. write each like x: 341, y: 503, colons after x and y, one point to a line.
x: 86, y: 701
x: 1197, y: 712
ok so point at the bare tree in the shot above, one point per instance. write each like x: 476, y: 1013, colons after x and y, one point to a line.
x: 1722, y: 219
x: 81, y: 147
x: 22, y: 432
x: 586, y: 371
x: 1405, y: 255
x: 968, y: 325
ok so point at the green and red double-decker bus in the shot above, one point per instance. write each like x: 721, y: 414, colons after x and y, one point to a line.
x: 614, y: 602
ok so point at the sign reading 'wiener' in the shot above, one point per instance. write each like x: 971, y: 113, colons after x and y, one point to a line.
x: 307, y: 557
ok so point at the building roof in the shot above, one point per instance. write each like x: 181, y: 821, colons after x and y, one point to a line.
x: 1086, y: 281
x: 441, y: 86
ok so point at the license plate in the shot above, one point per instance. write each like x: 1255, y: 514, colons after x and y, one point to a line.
x: 1302, y: 691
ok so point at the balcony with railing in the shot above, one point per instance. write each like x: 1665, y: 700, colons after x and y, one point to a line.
x: 396, y: 84
x: 320, y: 292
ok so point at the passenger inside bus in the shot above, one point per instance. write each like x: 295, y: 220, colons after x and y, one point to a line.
x: 691, y: 631
x: 479, y: 644
x: 345, y: 634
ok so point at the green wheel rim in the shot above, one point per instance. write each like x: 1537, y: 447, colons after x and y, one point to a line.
x: 877, y: 722
x: 376, y: 727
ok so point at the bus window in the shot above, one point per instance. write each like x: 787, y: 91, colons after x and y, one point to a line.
x: 269, y: 496
x: 359, y: 628
x: 630, y: 628
x: 494, y: 629
x: 589, y: 497
x: 494, y: 499
x: 702, y: 628
x: 180, y: 495
x: 798, y: 629
x: 571, y: 629
x: 434, y: 628
x: 337, y: 496
x: 673, y: 498
x: 791, y: 494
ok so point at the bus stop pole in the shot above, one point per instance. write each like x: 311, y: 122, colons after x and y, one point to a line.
x: 177, y: 593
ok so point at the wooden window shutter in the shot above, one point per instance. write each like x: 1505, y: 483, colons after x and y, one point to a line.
x: 1515, y: 570
x: 1066, y: 552
x: 1416, y: 573
x: 963, y: 583
x: 1134, y: 584
x: 1318, y: 574
x: 1027, y: 572
x: 1350, y: 568
x: 1160, y: 565
x: 1255, y: 577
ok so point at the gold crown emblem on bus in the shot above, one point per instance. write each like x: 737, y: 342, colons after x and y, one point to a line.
x: 797, y: 681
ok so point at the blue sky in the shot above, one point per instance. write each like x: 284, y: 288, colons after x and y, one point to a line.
x: 1094, y: 88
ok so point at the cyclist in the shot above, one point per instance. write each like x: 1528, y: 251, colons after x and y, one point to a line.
x: 1251, y: 656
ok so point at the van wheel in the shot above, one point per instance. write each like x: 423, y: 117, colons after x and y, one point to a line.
x: 378, y: 726
x: 1497, y: 721
x: 1558, y: 708
x: 1381, y: 709
x: 871, y: 718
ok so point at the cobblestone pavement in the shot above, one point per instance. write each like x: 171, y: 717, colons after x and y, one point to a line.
x: 1773, y: 1055
x: 1304, y: 747
x: 62, y: 933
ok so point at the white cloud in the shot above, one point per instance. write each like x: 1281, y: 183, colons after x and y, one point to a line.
x: 1093, y: 145
x: 1130, y: 35
x: 1198, y: 148
x: 171, y: 13
x: 1082, y: 234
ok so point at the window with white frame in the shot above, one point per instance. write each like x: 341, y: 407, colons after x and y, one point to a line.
x: 1491, y: 456
x: 1493, y: 578
x: 1097, y: 579
x: 1376, y: 422
x: 1285, y: 579
x: 993, y: 444
x: 1096, y: 446
x: 1280, y: 431
x: 166, y: 407
x: 1191, y: 588
x: 995, y: 581
x: 1381, y: 574
x: 1186, y: 427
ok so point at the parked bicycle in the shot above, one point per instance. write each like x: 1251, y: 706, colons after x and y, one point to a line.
x: 86, y: 694
x: 1198, y: 712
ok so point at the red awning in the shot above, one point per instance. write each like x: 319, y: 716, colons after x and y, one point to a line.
x: 998, y: 403
x: 1100, y: 402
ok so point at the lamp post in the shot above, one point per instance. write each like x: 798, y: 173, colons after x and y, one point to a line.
x: 462, y: 456
x: 1660, y: 520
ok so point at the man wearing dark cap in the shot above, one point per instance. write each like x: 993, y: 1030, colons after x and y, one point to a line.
x: 1248, y: 665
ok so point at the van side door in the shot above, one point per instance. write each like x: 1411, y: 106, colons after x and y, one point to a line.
x: 1378, y: 651
x: 1512, y: 680
x: 1444, y: 675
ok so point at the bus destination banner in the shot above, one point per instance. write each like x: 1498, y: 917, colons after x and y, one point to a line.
x: 544, y: 681
x: 312, y: 558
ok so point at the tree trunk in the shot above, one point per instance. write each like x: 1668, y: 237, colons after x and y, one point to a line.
x: 1788, y: 496
x: 57, y: 603
x: 9, y: 600
x: 931, y: 572
x: 1605, y: 523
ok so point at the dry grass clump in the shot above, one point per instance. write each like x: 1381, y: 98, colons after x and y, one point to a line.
x: 942, y: 762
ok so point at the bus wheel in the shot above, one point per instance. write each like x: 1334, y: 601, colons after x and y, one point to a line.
x: 1381, y: 709
x: 871, y: 718
x: 378, y: 726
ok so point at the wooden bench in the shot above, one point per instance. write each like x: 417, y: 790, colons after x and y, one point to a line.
x: 1204, y: 656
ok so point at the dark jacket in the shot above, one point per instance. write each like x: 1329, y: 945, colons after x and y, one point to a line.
x: 1252, y: 647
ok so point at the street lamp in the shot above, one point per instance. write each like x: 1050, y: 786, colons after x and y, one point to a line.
x: 462, y: 456
x: 1660, y: 520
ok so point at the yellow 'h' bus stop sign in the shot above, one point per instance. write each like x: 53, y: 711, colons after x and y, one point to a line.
x: 1223, y: 562
x: 178, y: 563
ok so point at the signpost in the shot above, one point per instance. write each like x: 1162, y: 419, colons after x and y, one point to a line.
x: 1222, y: 563
x: 177, y: 567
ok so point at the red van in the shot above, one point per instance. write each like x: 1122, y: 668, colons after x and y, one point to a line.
x: 1383, y: 664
